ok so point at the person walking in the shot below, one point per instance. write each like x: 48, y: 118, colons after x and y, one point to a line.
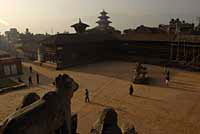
x: 38, y: 78
x: 168, y: 74
x: 167, y: 79
x: 87, y: 99
x: 30, y: 81
x: 131, y: 90
x: 31, y: 69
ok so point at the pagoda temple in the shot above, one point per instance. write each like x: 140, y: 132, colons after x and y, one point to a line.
x: 80, y: 27
x: 103, y: 22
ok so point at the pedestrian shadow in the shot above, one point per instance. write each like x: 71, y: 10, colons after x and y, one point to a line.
x: 147, y: 98
x: 156, y: 82
x: 182, y: 83
x: 180, y: 86
x: 184, y: 89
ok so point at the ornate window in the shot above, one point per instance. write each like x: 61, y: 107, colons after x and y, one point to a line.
x: 7, y: 70
x: 14, y: 69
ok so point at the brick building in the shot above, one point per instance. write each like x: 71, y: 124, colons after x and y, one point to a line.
x: 9, y: 66
x: 66, y: 50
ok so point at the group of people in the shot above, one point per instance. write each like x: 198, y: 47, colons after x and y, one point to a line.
x: 167, y: 77
x: 30, y: 77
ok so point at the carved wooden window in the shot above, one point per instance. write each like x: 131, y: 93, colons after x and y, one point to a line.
x: 14, y: 69
x: 7, y: 70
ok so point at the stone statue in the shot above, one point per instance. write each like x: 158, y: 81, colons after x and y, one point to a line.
x: 50, y: 114
x: 107, y: 123
x: 28, y: 99
x: 140, y: 74
x: 129, y: 129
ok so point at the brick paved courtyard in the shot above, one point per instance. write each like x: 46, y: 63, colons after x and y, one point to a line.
x: 154, y: 109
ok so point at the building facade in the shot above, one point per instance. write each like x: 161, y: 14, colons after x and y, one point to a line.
x: 9, y: 66
x: 66, y: 50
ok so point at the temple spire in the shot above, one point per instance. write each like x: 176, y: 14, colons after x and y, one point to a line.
x: 103, y: 21
x: 80, y: 27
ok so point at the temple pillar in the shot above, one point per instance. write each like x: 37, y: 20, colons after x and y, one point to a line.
x: 193, y: 56
x: 198, y: 55
x: 171, y: 52
x: 184, y: 51
x: 177, y: 53
x: 40, y: 55
x: 59, y: 57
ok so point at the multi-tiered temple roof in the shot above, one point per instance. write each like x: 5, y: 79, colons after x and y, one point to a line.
x: 103, y: 21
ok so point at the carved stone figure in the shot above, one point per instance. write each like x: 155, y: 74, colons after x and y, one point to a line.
x: 140, y: 74
x: 28, y: 99
x: 107, y: 123
x: 129, y: 129
x: 49, y: 115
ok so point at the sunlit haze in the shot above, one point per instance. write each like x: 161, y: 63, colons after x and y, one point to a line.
x: 53, y: 16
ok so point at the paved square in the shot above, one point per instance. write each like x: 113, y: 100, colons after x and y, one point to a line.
x: 154, y: 109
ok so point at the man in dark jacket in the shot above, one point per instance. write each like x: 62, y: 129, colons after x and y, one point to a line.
x: 38, y: 78
x: 87, y: 99
x: 131, y: 90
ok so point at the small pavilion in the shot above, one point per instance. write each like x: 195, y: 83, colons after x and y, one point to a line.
x: 80, y: 27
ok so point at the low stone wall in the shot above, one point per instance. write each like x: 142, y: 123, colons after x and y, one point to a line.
x: 18, y: 86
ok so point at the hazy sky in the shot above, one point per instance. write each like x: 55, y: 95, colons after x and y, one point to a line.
x: 57, y: 15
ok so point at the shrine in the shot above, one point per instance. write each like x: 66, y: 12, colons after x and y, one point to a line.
x: 103, y: 22
x: 140, y: 74
x: 80, y: 27
x: 104, y: 25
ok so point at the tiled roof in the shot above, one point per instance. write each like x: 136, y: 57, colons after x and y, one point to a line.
x: 62, y: 39
x: 3, y: 53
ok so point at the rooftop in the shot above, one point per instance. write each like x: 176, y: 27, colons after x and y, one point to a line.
x: 80, y: 27
x: 80, y: 23
x: 61, y: 39
x: 3, y: 52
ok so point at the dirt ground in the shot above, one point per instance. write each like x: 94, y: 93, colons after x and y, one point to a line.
x: 154, y: 108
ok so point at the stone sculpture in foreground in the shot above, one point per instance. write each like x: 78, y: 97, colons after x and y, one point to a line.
x: 50, y: 114
x: 108, y: 124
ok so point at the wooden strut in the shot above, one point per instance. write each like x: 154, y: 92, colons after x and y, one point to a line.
x: 177, y: 53
x: 187, y: 53
x: 198, y: 56
x: 193, y: 57
x: 184, y: 50
x: 198, y: 59
x: 171, y: 53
